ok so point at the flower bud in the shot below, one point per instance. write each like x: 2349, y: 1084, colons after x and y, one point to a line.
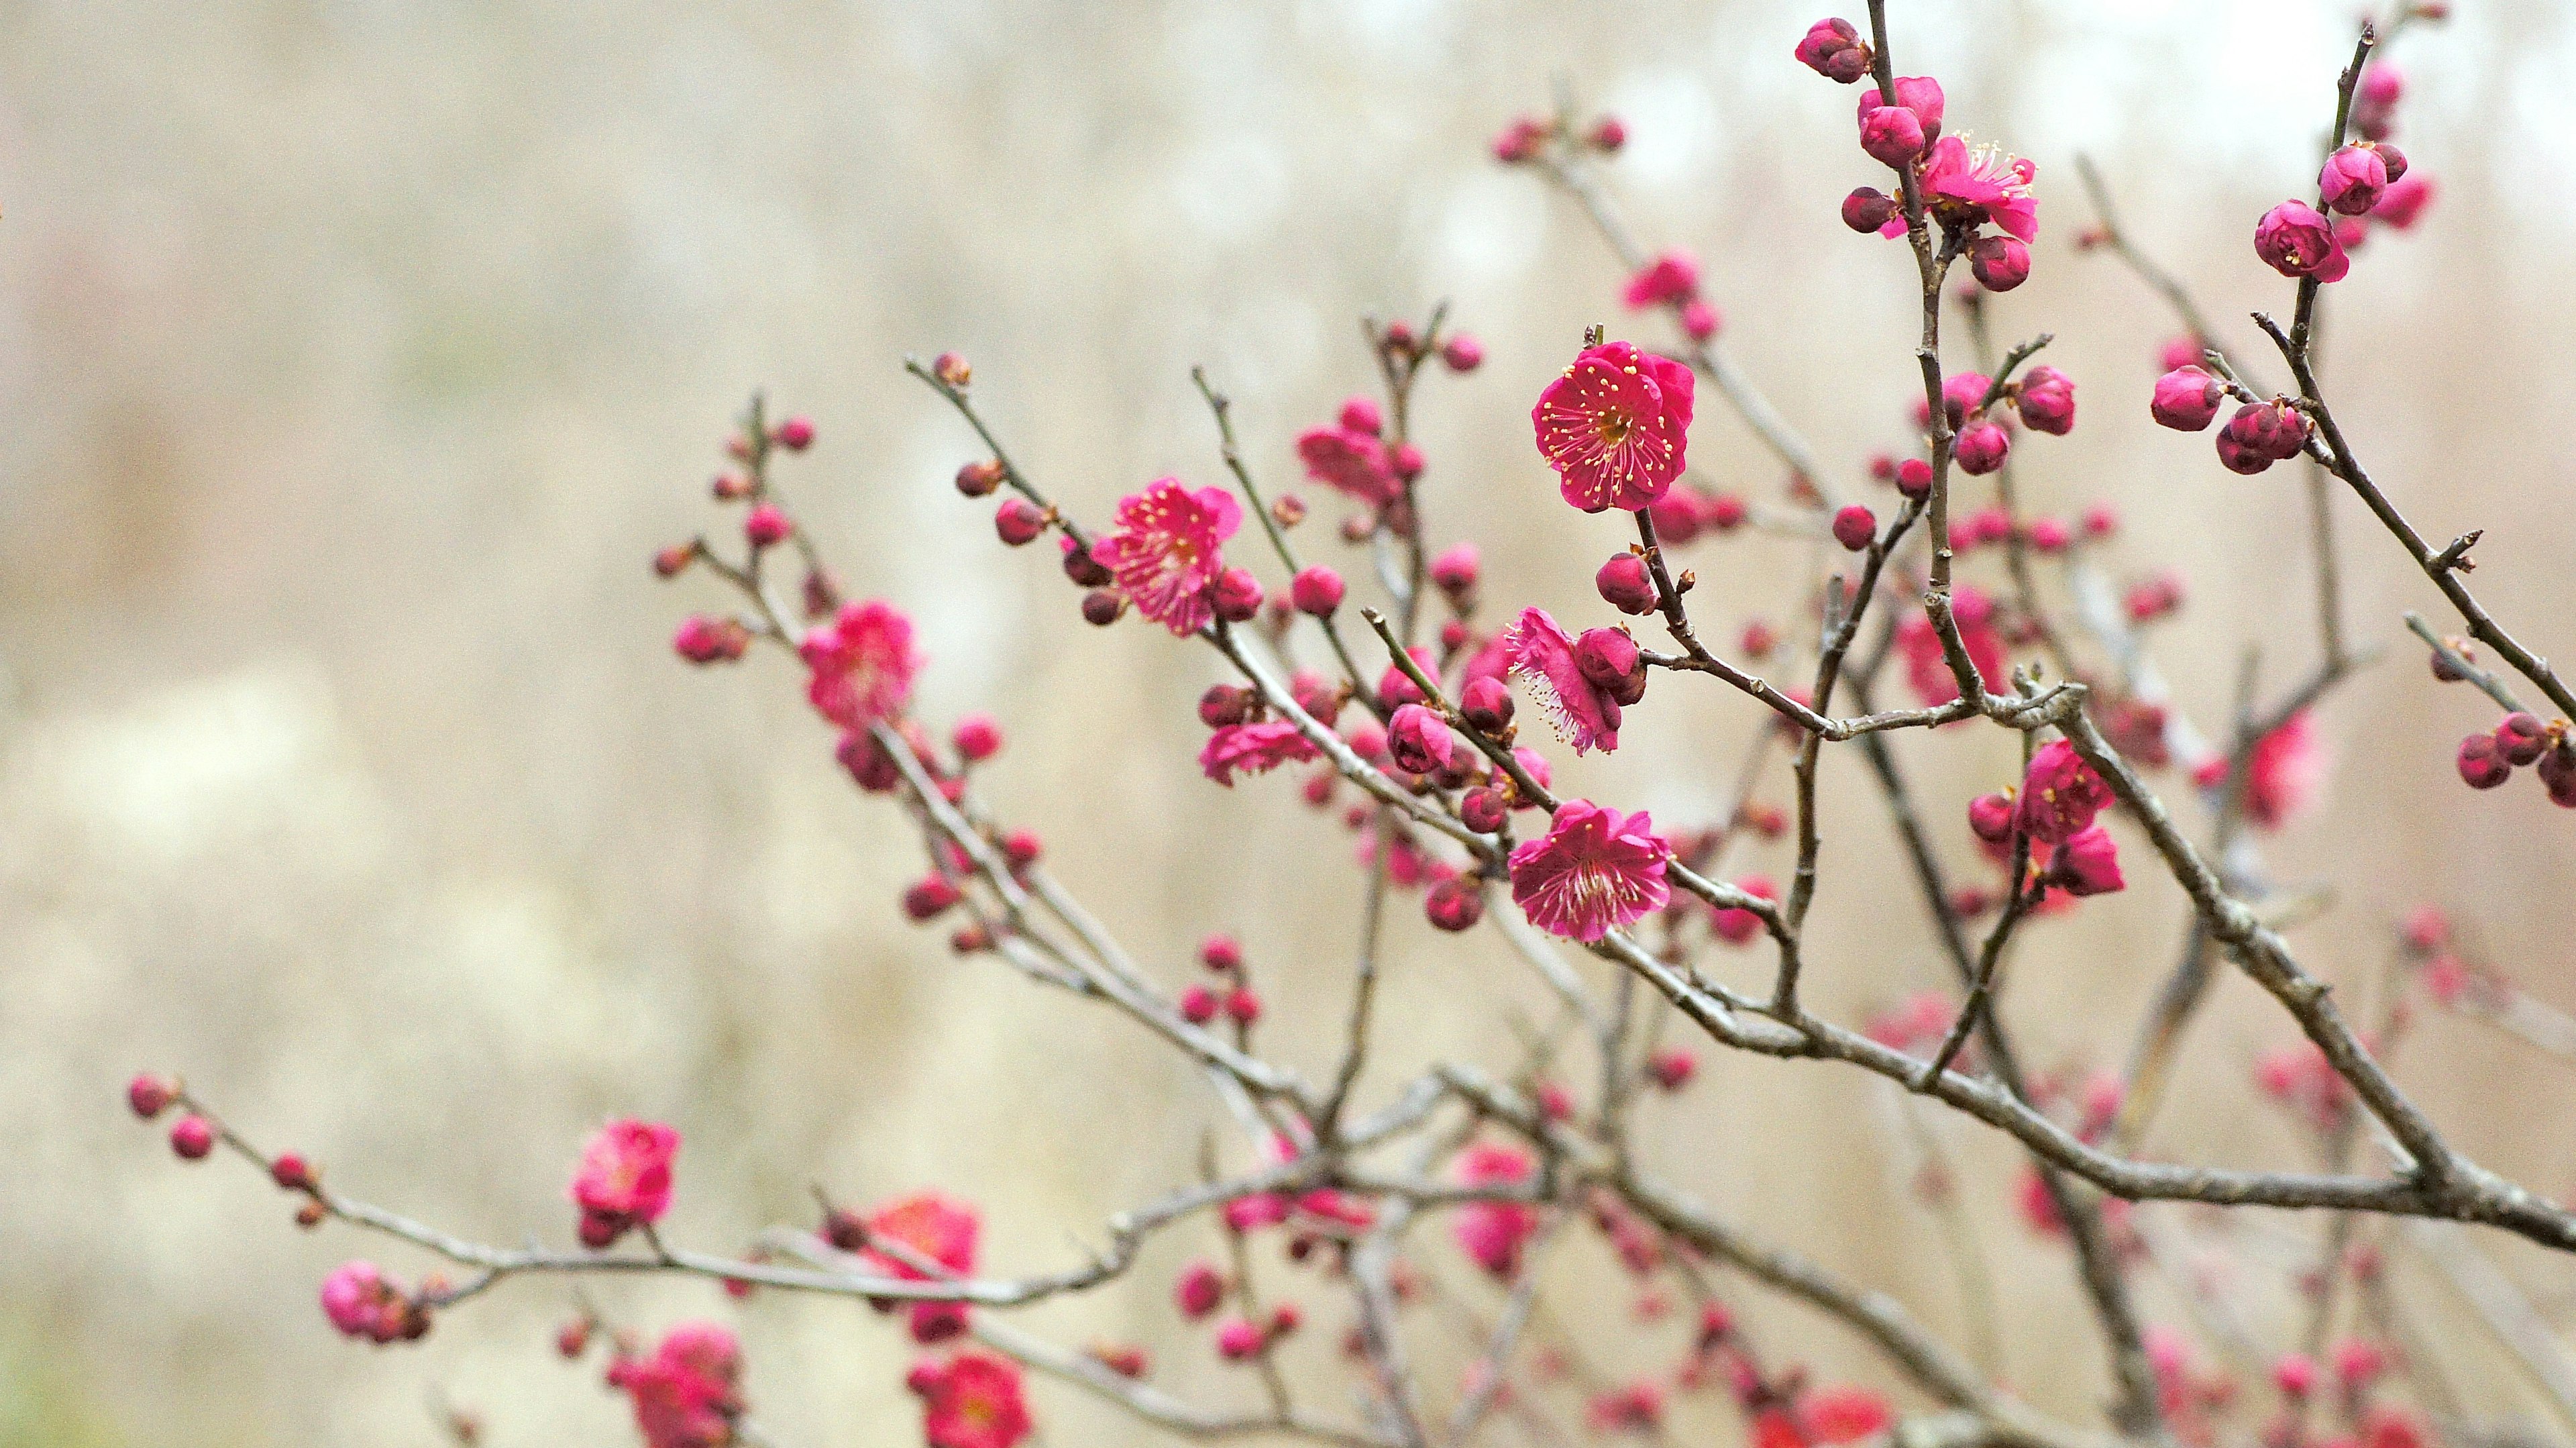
x: 928, y: 898
x: 2557, y: 771
x: 1419, y: 741
x: 1981, y: 448
x: 1608, y: 134
x: 2000, y: 263
x: 1920, y: 94
x: 1990, y: 818
x: 1520, y: 141
x: 672, y: 561
x: 1626, y: 584
x: 1242, y: 1006
x: 2049, y: 535
x: 1225, y: 704
x: 192, y: 1136
x: 951, y: 369
x: 1759, y: 639
x: 1237, y: 595
x: 291, y: 1172
x: 1405, y: 460
x: 765, y: 525
x: 1317, y: 590
x: 148, y: 1095
x: 2047, y: 401
x: 977, y: 738
x: 1892, y: 135
x: 795, y: 434
x: 2482, y: 765
x: 704, y: 640
x: 1455, y: 572
x: 2353, y: 178
x: 2186, y: 399
x: 1483, y: 811
x: 2520, y: 738
x: 1867, y: 209
x: 2154, y: 598
x: 2296, y: 241
x: 979, y: 478
x: 2272, y: 431
x: 1611, y: 661
x: 1360, y: 414
x: 1101, y: 607
x: 1019, y: 521
x: 1198, y: 1005
x: 1454, y: 904
x: 1855, y: 527
x: 1462, y: 353
x: 1699, y: 320
x: 1671, y: 1069
x: 1486, y: 704
x: 1237, y: 1339
x: 1914, y: 478
x: 1833, y: 49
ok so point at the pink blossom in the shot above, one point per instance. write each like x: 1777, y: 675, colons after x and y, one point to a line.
x: 1963, y: 187
x: 1672, y: 277
x: 1238, y: 1338
x: 2046, y: 401
x: 1927, y: 670
x: 1891, y: 135
x: 1541, y: 656
x: 362, y: 1302
x: 863, y: 664
x: 929, y: 1227
x: 1982, y: 448
x: 1615, y: 427
x: 2404, y: 201
x: 1595, y: 871
x: 1919, y: 94
x: 625, y: 1179
x: 1419, y: 741
x: 2354, y: 176
x: 1351, y: 461
x: 974, y: 1400
x: 1843, y: 1414
x: 1167, y: 551
x: 2285, y: 771
x: 1494, y: 1232
x: 2060, y: 794
x: 2294, y: 240
x: 685, y: 1395
x: 2087, y: 863
x: 2186, y: 399
x: 1736, y: 925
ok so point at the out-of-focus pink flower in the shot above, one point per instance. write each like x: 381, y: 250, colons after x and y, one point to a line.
x: 2404, y: 201
x: 1920, y: 1021
x: 624, y: 1181
x: 2285, y: 771
x: 1168, y: 550
x: 1198, y: 1292
x: 974, y: 1400
x: 1700, y: 321
x: 1738, y: 926
x: 1541, y: 656
x: 685, y: 1395
x: 1925, y: 667
x: 1964, y: 187
x: 1843, y: 1414
x: 1636, y: 1408
x: 863, y: 664
x: 1350, y: 461
x: 1672, y: 277
x: 2060, y: 794
x: 362, y: 1302
x: 927, y: 1226
x: 1493, y: 1233
x: 1254, y: 748
x: 1596, y: 870
x: 1616, y: 426
x: 1520, y: 141
x: 2295, y: 240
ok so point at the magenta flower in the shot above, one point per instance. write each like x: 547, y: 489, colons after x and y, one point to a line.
x: 1615, y: 426
x: 1350, y: 461
x: 2088, y: 863
x: 973, y: 1400
x: 1964, y: 187
x: 863, y: 664
x: 1672, y: 277
x: 2285, y: 772
x: 1167, y: 551
x: 1253, y: 749
x: 2353, y: 178
x: 1595, y: 871
x: 685, y: 1394
x: 2060, y: 794
x: 625, y: 1179
x: 1493, y: 1233
x: 2296, y: 241
x: 1541, y: 655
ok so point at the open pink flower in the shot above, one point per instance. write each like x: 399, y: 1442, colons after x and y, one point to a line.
x: 1350, y: 461
x: 1672, y: 277
x: 625, y: 1179
x: 1168, y: 550
x: 1964, y: 187
x: 927, y: 1225
x: 974, y: 1400
x: 2060, y: 794
x: 1541, y: 655
x: 1615, y: 426
x: 2285, y: 771
x: 863, y: 663
x: 685, y: 1395
x: 1493, y: 1233
x: 1595, y: 871
x: 1252, y: 749
x: 2296, y: 241
x: 2087, y: 863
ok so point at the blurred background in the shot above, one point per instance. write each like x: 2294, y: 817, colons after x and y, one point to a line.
x: 357, y: 354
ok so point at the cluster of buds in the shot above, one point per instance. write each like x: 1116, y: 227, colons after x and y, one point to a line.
x: 1232, y: 996
x: 1528, y: 138
x: 2489, y: 759
x: 1982, y: 417
x: 364, y: 1303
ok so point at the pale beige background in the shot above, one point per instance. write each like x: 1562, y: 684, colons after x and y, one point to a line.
x: 356, y: 353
